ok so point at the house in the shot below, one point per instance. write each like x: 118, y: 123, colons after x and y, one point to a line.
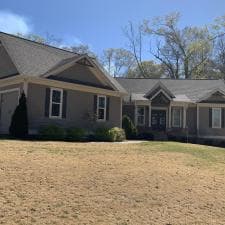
x: 62, y: 88
x: 179, y: 107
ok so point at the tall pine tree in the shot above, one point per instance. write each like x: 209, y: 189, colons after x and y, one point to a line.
x: 19, y: 121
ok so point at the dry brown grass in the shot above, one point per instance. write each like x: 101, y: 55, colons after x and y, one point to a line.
x: 87, y: 183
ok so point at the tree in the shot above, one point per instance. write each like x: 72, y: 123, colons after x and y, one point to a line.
x: 49, y: 39
x: 218, y: 28
x: 152, y: 70
x: 135, y: 38
x: 117, y: 61
x: 19, y: 122
x: 81, y: 49
x: 182, y: 50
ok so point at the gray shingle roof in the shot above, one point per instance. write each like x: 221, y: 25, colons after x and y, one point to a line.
x: 189, y: 89
x: 35, y: 59
x: 32, y: 58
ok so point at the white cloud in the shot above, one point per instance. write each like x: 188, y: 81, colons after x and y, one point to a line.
x: 13, y: 23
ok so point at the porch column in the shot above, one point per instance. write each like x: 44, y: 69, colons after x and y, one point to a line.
x: 25, y: 87
x: 170, y: 116
x: 150, y: 114
x: 184, y: 116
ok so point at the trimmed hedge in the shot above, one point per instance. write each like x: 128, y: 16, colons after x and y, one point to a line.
x: 75, y: 134
x: 53, y: 132
x: 114, y: 134
x: 117, y: 134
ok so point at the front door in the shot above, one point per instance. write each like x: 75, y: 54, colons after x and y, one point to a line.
x: 8, y: 103
x: 158, y: 119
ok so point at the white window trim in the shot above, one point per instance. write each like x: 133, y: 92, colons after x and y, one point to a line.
x: 104, y: 119
x: 60, y: 104
x: 213, y: 109
x: 175, y: 125
x: 140, y: 124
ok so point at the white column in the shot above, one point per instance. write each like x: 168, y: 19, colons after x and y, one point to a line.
x: 150, y: 114
x: 184, y: 116
x: 25, y: 87
x: 170, y: 116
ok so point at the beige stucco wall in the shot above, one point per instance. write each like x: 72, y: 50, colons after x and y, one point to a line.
x: 79, y: 106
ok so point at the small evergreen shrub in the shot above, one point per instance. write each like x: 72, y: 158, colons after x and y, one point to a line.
x: 112, y: 135
x: 102, y: 134
x: 75, y: 134
x: 19, y: 122
x: 117, y: 134
x: 52, y: 132
x: 129, y: 128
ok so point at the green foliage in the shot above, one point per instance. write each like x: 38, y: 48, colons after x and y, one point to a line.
x: 117, y: 134
x: 19, y: 122
x: 128, y: 126
x: 52, y: 132
x: 150, y: 69
x: 102, y: 134
x: 75, y: 134
x: 106, y: 134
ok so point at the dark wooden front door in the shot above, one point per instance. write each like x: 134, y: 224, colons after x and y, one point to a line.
x: 158, y: 119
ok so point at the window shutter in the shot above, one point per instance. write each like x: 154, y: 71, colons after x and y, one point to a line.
x: 222, y: 119
x: 95, y: 107
x: 107, y: 108
x: 64, y: 107
x: 210, y: 117
x: 47, y: 101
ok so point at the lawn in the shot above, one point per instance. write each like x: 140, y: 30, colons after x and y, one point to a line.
x: 111, y: 183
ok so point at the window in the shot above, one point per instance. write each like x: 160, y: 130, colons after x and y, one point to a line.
x: 216, y: 117
x: 177, y: 117
x: 140, y: 115
x: 101, y: 108
x: 56, y: 103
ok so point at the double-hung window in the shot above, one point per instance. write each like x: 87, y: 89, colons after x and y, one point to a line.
x: 140, y: 115
x: 101, y: 108
x: 177, y: 117
x: 216, y: 117
x: 56, y: 98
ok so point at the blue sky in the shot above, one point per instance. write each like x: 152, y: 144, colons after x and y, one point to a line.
x: 98, y: 23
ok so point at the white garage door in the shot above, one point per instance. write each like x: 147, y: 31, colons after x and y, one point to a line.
x: 8, y: 103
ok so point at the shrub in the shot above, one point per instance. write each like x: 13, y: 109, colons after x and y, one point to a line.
x: 147, y: 135
x: 113, y: 134
x: 75, y: 134
x: 129, y: 128
x: 52, y: 132
x: 19, y: 121
x: 117, y: 134
x: 102, y: 134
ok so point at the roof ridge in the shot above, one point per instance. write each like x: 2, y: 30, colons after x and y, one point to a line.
x: 145, y: 78
x: 39, y: 43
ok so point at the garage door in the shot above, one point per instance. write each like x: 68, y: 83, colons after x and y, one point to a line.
x: 8, y: 103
